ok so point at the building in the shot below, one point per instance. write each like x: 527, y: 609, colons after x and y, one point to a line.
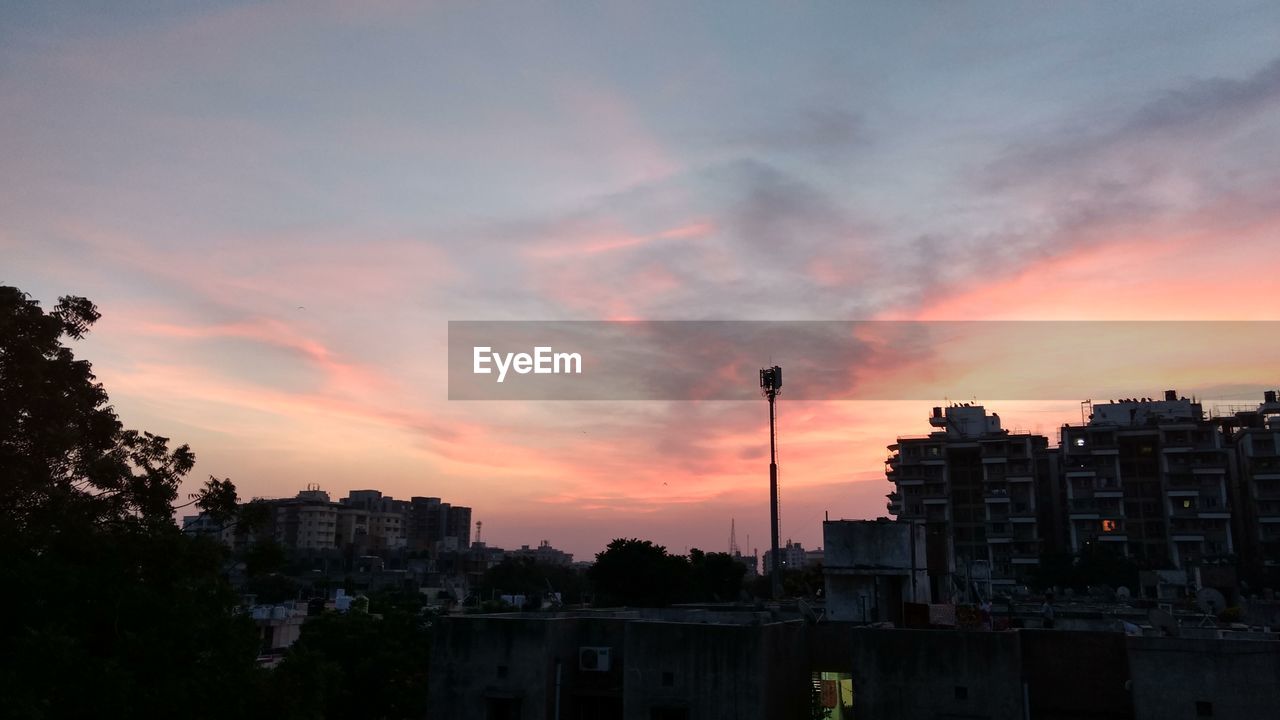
x: 663, y: 664
x: 1254, y: 435
x: 366, y: 521
x: 1149, y: 479
x: 308, y: 522
x: 688, y: 664
x: 544, y: 554
x: 371, y: 522
x: 794, y: 557
x: 431, y: 521
x: 871, y: 567
x: 983, y: 494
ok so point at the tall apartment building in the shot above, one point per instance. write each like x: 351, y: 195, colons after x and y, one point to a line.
x: 1255, y: 436
x: 371, y: 521
x: 431, y: 521
x: 983, y: 494
x: 1150, y: 479
x: 307, y: 522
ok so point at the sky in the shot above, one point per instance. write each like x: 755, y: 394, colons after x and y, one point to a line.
x: 279, y: 206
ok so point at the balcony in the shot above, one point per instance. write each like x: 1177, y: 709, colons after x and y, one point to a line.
x: 1084, y: 508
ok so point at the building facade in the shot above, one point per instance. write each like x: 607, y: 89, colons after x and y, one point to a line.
x: 983, y: 494
x: 1149, y: 478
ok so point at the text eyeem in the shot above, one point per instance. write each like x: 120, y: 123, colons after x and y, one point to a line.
x: 542, y: 362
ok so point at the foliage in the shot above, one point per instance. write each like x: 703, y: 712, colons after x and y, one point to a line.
x: 366, y: 665
x: 534, y: 580
x: 121, y: 612
x: 638, y: 573
x: 641, y: 574
x: 715, y: 577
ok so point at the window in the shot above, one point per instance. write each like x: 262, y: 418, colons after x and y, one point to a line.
x: 962, y: 692
x: 668, y: 679
x: 1204, y: 708
x: 1108, y: 525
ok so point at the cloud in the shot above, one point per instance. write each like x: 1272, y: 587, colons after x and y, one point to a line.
x: 821, y: 133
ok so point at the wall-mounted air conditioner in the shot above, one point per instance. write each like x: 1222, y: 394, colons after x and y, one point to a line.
x: 593, y: 659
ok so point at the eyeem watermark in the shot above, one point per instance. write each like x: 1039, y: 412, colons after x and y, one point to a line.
x: 708, y: 360
x: 543, y: 361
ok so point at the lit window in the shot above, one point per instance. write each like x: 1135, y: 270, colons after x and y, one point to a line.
x: 1079, y: 442
x: 1108, y: 525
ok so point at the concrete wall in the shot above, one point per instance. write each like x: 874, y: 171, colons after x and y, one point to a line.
x: 1240, y: 678
x: 712, y: 670
x: 477, y: 659
x: 868, y: 569
x: 1072, y: 675
x: 928, y: 674
x: 871, y: 544
x: 716, y: 671
x: 751, y: 669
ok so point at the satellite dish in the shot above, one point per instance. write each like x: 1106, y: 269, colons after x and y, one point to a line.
x: 1211, y: 601
x: 1163, y: 621
x: 1122, y: 593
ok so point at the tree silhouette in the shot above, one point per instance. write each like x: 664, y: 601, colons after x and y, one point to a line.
x: 120, y: 613
x: 638, y: 573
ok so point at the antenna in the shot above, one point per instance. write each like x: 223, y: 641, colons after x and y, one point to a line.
x: 771, y: 387
x: 733, y: 538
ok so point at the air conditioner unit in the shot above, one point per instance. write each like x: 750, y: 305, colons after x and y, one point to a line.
x: 593, y: 659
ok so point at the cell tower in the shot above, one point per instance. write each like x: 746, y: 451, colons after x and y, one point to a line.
x: 771, y: 388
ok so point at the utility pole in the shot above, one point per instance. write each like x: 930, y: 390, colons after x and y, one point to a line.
x: 771, y: 387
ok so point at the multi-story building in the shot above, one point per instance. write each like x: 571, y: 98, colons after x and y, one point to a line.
x: 983, y: 494
x: 431, y: 522
x: 1255, y: 436
x: 794, y: 557
x: 371, y: 521
x: 308, y: 522
x: 365, y: 520
x: 544, y: 554
x: 1148, y: 478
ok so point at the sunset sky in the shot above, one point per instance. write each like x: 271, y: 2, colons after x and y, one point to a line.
x: 279, y: 206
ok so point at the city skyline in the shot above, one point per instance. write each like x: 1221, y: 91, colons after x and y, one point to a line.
x: 278, y: 208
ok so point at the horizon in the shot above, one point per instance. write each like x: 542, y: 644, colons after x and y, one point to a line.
x: 278, y: 209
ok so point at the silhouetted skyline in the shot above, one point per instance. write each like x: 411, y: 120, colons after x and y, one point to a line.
x: 278, y: 207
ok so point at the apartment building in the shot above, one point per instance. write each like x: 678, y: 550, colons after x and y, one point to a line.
x: 365, y: 520
x: 1254, y: 434
x: 982, y: 493
x: 1149, y: 478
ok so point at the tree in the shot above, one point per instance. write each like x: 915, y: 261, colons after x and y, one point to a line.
x: 534, y: 580
x: 716, y: 577
x: 357, y: 665
x: 121, y: 612
x: 638, y: 573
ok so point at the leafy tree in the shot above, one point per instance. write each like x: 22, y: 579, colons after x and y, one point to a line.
x: 716, y: 577
x: 525, y: 576
x: 120, y: 612
x: 357, y: 664
x: 639, y: 573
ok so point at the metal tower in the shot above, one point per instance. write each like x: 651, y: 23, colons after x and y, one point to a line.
x: 771, y: 387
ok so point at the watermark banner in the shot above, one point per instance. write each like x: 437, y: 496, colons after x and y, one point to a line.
x: 859, y: 360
